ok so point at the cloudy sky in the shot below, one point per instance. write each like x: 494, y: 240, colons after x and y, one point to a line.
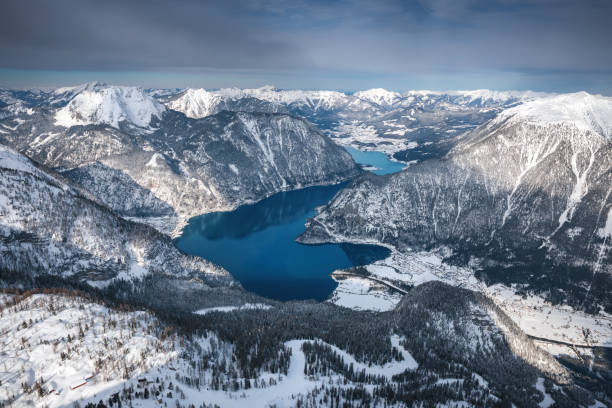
x: 549, y: 45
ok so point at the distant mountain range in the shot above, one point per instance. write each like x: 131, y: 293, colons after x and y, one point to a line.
x: 414, y: 125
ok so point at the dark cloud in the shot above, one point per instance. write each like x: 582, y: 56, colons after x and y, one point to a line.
x: 385, y: 37
x: 82, y: 34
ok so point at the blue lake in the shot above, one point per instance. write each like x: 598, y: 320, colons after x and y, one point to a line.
x: 256, y: 244
x: 375, y: 159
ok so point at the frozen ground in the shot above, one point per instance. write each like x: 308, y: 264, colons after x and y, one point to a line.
x: 81, y: 351
x: 246, y: 306
x: 363, y: 294
x: 533, y: 314
x: 64, y: 343
x: 365, y: 137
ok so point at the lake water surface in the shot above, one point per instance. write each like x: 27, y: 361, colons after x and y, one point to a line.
x: 256, y: 243
x: 375, y: 159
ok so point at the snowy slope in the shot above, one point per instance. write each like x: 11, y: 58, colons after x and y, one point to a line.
x: 585, y: 111
x: 538, y: 175
x: 68, y: 340
x: 12, y: 160
x: 196, y: 103
x: 109, y: 105
x: 48, y: 227
x: 412, y: 126
x: 379, y: 96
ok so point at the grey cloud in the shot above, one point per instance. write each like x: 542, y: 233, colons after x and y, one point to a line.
x: 85, y: 34
x: 387, y: 36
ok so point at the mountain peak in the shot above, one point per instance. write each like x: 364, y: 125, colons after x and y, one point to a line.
x: 88, y: 86
x: 103, y: 104
x: 268, y: 88
x: 196, y: 103
x: 585, y: 111
x: 379, y: 96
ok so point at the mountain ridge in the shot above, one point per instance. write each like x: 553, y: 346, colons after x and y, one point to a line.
x: 545, y: 185
x: 191, y: 166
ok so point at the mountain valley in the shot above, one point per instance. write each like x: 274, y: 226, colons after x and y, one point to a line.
x: 494, y: 289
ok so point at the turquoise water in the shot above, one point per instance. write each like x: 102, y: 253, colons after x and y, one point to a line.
x: 375, y: 159
x: 256, y: 243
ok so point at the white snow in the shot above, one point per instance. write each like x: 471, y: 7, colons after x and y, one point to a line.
x: 196, y: 103
x: 33, y: 350
x: 379, y: 96
x: 246, y: 306
x: 109, y: 105
x: 234, y: 169
x: 365, y: 137
x: 606, y: 231
x: 363, y: 294
x: 547, y: 401
x: 539, y: 318
x: 388, y: 370
x: 155, y: 159
x: 296, y: 383
x: 10, y: 159
x: 585, y: 111
x: 135, y: 271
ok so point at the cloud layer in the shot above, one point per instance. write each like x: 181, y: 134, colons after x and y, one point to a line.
x: 563, y: 38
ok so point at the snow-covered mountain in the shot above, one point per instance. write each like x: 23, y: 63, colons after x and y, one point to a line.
x: 66, y: 347
x: 313, y: 100
x: 196, y: 103
x: 48, y: 226
x: 199, y: 103
x: 588, y: 113
x: 109, y: 105
x: 525, y: 199
x: 409, y: 126
x: 413, y: 125
x: 379, y: 96
x: 165, y: 164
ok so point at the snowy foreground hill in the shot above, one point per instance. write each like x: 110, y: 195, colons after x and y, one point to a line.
x: 61, y: 348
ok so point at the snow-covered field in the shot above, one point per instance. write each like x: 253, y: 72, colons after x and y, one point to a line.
x: 73, y: 349
x: 539, y: 318
x: 362, y: 294
x: 366, y: 137
x: 284, y: 393
x: 246, y: 306
x: 533, y: 314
